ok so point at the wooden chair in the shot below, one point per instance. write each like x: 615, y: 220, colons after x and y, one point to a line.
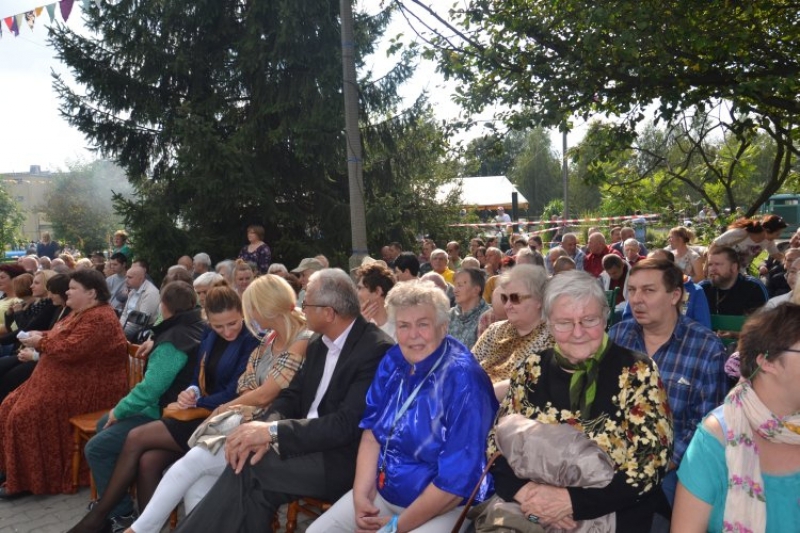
x: 308, y: 506
x: 84, y: 426
x: 728, y: 323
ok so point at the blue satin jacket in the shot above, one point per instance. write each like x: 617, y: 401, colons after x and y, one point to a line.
x: 441, y: 438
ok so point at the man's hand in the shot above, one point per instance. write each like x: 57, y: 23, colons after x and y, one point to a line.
x: 252, y: 437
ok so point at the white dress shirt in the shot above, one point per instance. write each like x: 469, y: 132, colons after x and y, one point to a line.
x: 334, y: 350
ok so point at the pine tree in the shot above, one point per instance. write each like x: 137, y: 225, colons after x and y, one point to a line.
x: 224, y: 113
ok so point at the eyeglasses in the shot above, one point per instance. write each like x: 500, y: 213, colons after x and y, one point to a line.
x: 588, y: 322
x: 515, y: 298
x: 304, y: 305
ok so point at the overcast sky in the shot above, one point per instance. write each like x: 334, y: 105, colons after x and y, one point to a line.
x: 33, y: 132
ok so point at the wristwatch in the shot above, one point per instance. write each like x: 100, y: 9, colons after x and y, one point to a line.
x: 273, y: 435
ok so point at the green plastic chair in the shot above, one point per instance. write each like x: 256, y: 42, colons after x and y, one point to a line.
x: 728, y: 323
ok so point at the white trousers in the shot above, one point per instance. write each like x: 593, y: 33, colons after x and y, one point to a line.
x: 190, y: 479
x: 341, y: 518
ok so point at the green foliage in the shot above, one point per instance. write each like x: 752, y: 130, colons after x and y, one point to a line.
x: 494, y: 154
x: 226, y: 113
x: 672, y: 61
x: 11, y: 219
x: 79, y: 205
x: 537, y: 171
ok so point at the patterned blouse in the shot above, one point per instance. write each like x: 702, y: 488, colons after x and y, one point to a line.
x: 261, y: 257
x: 263, y: 363
x: 500, y: 349
x: 631, y: 420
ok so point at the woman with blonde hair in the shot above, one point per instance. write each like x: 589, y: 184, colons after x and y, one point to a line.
x: 687, y: 259
x: 243, y: 275
x: 269, y: 302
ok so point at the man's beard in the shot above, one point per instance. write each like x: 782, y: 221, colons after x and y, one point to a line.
x: 721, y: 281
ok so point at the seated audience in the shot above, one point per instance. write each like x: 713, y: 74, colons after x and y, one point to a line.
x: 374, y: 281
x: 612, y: 394
x: 203, y: 283
x: 14, y: 370
x: 687, y: 258
x: 495, y: 313
x: 150, y: 448
x: 632, y: 251
x: 464, y: 316
x: 563, y: 264
x: 742, y: 469
x: 306, y: 443
x: 404, y: 477
x: 8, y: 271
x: 504, y: 344
x: 406, y: 266
x: 728, y: 291
x: 169, y: 370
x: 83, y: 368
x: 142, y: 305
x: 268, y: 301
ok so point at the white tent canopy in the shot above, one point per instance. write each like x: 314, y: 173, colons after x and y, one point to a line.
x: 483, y: 191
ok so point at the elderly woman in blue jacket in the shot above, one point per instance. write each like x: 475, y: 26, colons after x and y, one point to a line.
x: 428, y: 408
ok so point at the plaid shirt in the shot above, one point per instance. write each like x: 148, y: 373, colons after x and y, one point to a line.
x: 691, y: 365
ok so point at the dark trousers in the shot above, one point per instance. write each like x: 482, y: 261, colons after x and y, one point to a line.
x: 248, y: 501
x: 13, y: 373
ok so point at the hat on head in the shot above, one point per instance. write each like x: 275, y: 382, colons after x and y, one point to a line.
x: 309, y: 263
x: 367, y: 260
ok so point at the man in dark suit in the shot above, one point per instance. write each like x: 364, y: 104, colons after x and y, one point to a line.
x: 308, y: 442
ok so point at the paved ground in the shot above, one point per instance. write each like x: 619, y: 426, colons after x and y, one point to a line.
x: 56, y: 514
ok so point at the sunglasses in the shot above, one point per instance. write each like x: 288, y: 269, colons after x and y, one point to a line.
x: 515, y: 298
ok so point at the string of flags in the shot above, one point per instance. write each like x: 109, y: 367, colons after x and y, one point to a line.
x: 15, y: 23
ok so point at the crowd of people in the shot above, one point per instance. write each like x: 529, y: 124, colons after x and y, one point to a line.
x: 575, y: 388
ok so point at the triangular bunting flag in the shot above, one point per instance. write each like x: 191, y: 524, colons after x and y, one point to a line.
x: 30, y: 18
x: 38, y: 11
x: 15, y: 27
x: 51, y: 10
x: 98, y: 2
x: 10, y: 23
x: 66, y: 8
x: 20, y: 19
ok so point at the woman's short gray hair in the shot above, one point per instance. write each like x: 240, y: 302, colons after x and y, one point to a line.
x: 413, y: 293
x: 276, y: 268
x: 207, y: 279
x: 578, y: 286
x: 532, y: 277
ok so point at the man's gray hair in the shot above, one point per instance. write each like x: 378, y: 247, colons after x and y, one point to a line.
x: 336, y: 289
x: 438, y: 251
x: 411, y: 294
x: 576, y: 285
x: 202, y: 258
x: 526, y: 256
